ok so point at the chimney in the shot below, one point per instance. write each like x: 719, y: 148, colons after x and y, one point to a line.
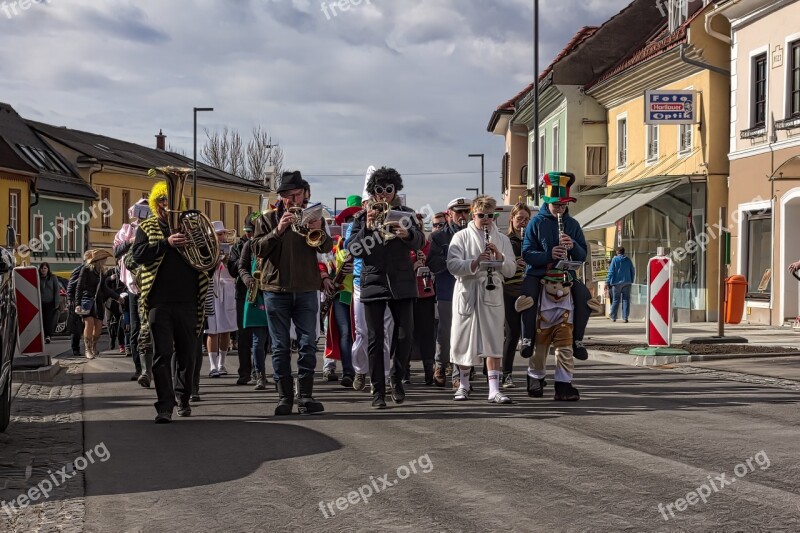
x: 161, y: 141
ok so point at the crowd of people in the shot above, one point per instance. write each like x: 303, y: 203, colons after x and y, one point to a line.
x: 462, y: 299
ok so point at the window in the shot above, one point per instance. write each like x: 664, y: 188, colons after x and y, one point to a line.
x: 794, y: 79
x: 236, y: 220
x: 126, y: 203
x: 622, y: 142
x: 13, y: 210
x: 105, y: 198
x: 678, y: 10
x: 685, y: 140
x: 758, y: 93
x: 555, y: 147
x: 542, y: 147
x: 38, y: 230
x: 72, y: 237
x: 596, y: 160
x: 58, y: 235
x: 222, y: 209
x: 758, y: 230
x: 651, y: 151
x: 207, y: 208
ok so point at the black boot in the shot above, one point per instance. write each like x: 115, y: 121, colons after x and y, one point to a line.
x: 536, y: 387
x: 579, y: 351
x: 285, y: 399
x: 428, y: 373
x: 306, y: 404
x: 565, y: 392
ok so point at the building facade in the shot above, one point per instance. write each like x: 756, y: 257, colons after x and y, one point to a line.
x: 764, y: 153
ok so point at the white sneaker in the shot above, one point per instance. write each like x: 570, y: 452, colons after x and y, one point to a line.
x: 462, y: 394
x: 222, y: 371
x: 500, y: 398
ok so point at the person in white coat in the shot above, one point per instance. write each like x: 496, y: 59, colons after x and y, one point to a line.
x: 223, y: 321
x: 478, y: 311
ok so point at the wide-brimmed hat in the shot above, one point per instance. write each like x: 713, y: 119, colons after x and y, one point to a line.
x: 98, y: 254
x: 219, y: 226
x: 345, y: 214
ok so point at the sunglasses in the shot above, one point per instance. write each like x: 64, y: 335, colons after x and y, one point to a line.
x: 161, y: 199
x: 439, y: 224
x: 481, y: 216
x: 380, y: 189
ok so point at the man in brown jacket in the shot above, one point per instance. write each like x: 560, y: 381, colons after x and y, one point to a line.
x: 291, y: 280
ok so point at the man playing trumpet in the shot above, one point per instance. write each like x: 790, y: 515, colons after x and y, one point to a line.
x: 291, y: 279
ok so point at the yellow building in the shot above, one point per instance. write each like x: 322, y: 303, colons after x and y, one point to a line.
x: 666, y: 182
x: 117, y: 171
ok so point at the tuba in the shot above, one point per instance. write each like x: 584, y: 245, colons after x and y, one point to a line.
x: 202, y: 251
x: 300, y: 217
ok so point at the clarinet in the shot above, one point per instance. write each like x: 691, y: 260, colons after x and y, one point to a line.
x: 490, y: 286
x: 561, y: 233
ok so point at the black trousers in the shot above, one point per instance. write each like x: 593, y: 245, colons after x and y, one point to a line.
x: 245, y: 341
x: 402, y: 313
x: 49, y: 317
x: 425, y: 330
x: 172, y: 328
x: 580, y: 296
x: 513, y: 329
x: 75, y: 324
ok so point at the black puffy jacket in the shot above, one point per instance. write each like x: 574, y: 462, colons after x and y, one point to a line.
x: 387, y: 272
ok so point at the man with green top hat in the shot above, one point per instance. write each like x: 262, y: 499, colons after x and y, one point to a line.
x: 544, y: 245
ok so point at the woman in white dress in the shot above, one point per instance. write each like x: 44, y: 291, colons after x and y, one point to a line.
x: 478, y: 311
x: 223, y: 321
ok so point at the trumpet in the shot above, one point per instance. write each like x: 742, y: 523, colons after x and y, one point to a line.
x: 380, y: 224
x: 425, y: 273
x: 314, y: 237
x: 490, y: 286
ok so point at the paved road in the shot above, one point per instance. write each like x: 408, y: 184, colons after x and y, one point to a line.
x: 637, y: 439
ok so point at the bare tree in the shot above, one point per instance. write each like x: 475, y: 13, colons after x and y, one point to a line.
x: 225, y: 151
x: 176, y: 150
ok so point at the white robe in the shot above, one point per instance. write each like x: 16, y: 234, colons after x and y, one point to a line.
x: 224, y: 318
x: 478, y: 314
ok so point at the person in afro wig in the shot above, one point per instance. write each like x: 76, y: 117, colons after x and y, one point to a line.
x: 383, y: 177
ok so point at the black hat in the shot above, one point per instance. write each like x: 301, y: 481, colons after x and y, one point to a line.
x: 290, y: 180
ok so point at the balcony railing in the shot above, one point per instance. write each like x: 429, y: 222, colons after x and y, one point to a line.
x: 753, y: 133
x: 788, y: 123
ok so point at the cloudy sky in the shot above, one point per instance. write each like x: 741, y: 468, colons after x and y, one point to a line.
x: 405, y: 83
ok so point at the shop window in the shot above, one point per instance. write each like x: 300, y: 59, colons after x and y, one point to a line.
x: 758, y: 231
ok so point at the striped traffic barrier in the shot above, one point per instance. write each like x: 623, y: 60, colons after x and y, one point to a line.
x: 29, y: 310
x: 659, y: 301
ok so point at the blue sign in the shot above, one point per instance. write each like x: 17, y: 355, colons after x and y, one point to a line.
x: 671, y: 107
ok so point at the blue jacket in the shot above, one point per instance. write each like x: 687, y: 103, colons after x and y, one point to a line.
x: 541, y: 236
x: 621, y: 271
x: 357, y: 262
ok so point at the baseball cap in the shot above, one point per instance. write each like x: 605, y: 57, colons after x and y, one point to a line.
x: 458, y: 204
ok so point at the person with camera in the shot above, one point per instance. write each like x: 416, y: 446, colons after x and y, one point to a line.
x: 387, y: 277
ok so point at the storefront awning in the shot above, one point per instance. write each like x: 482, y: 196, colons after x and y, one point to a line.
x: 627, y: 202
x: 603, y: 205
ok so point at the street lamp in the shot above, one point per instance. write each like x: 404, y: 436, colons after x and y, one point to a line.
x: 335, y: 201
x: 481, y: 156
x: 473, y: 189
x: 194, y: 159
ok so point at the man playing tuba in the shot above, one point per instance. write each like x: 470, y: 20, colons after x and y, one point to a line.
x: 291, y: 278
x: 172, y: 294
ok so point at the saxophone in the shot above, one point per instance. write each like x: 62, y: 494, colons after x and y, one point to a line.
x: 490, y: 286
x: 338, y: 279
x: 252, y: 293
x: 203, y: 250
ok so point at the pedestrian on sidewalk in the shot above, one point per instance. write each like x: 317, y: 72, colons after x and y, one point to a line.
x: 90, y: 294
x: 620, y: 278
x: 49, y: 288
x: 74, y: 321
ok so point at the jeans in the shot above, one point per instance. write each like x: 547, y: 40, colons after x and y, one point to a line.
x: 513, y: 329
x: 302, y: 308
x: 623, y: 293
x: 259, y: 337
x: 402, y: 312
x: 580, y: 297
x: 173, y: 330
x: 133, y: 332
x: 341, y: 314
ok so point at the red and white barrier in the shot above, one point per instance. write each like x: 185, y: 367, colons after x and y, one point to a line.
x: 659, y: 301
x: 29, y: 310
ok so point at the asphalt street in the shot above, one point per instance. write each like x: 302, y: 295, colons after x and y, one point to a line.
x: 639, y: 438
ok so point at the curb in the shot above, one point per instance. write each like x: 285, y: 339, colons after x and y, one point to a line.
x: 660, y: 360
x: 43, y: 374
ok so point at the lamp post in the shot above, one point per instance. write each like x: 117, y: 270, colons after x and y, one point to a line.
x: 473, y: 189
x: 194, y: 159
x: 481, y: 156
x: 335, y: 201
